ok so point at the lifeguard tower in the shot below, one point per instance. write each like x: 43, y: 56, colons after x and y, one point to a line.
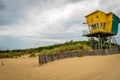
x: 101, y: 25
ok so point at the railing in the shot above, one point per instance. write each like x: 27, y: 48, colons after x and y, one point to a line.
x: 51, y: 57
x: 85, y: 32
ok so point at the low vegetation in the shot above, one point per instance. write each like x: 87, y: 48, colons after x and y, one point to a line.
x: 52, y: 49
x: 67, y: 48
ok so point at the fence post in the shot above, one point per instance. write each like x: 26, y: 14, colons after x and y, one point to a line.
x: 116, y: 50
x: 39, y: 59
x: 102, y: 51
x: 46, y: 58
x: 65, y: 55
x: 58, y: 56
x: 71, y: 54
x: 106, y: 51
x: 52, y: 57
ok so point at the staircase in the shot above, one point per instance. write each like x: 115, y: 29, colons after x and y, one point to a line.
x: 114, y: 40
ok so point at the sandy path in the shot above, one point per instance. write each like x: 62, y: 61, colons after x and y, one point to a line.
x: 79, y: 68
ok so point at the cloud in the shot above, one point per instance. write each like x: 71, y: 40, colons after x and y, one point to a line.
x: 42, y: 22
x: 110, y: 6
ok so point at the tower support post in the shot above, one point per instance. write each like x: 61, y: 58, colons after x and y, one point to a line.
x: 98, y: 41
x: 91, y: 42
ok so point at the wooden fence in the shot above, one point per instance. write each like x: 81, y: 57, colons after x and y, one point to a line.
x: 51, y: 57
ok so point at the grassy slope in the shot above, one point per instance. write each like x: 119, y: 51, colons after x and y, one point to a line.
x: 67, y: 48
x: 52, y: 49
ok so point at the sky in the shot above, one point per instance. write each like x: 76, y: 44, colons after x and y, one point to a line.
x: 33, y: 23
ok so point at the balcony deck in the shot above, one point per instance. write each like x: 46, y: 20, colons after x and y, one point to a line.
x: 95, y: 34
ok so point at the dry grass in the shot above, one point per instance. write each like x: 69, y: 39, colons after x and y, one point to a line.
x: 79, y: 68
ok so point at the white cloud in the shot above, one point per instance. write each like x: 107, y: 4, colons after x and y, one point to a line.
x: 50, y: 21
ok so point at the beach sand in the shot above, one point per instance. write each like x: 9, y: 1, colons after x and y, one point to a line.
x: 78, y: 68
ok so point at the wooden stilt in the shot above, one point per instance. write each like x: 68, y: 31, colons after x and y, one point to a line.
x: 101, y: 43
x: 98, y: 41
x: 91, y: 42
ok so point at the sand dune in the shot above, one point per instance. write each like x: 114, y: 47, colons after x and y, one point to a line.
x: 78, y: 68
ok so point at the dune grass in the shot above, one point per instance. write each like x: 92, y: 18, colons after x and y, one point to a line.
x: 51, y: 49
x: 68, y: 48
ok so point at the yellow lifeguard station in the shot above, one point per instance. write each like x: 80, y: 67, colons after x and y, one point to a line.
x: 101, y: 25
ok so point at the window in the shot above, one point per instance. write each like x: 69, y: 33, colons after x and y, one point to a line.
x: 89, y: 27
x: 103, y: 25
x: 97, y: 16
x: 97, y: 25
x: 94, y: 26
